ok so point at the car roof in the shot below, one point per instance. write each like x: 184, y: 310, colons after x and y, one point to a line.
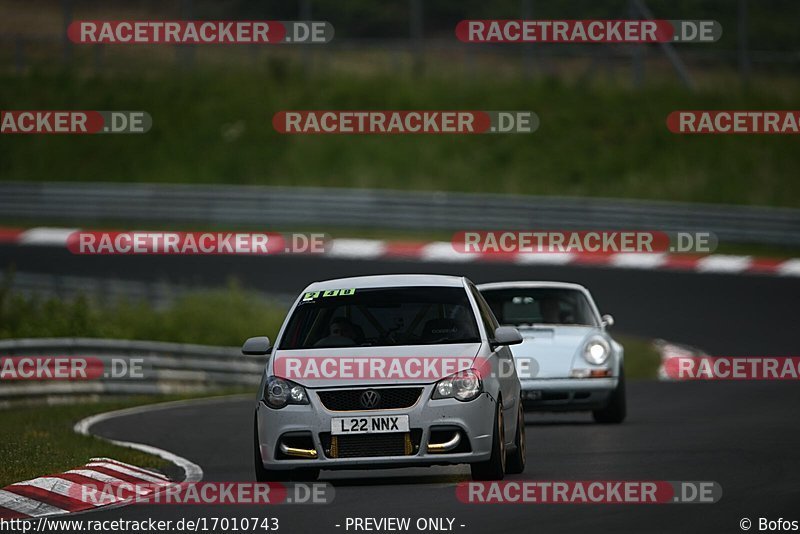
x: 531, y: 284
x: 388, y: 280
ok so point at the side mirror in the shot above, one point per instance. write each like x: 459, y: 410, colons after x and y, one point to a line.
x: 506, y: 335
x: 608, y: 320
x: 256, y: 346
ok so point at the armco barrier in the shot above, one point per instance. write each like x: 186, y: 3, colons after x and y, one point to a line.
x: 305, y: 207
x: 109, y: 289
x: 169, y: 368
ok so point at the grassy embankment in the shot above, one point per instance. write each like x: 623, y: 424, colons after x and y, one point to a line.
x: 214, y: 126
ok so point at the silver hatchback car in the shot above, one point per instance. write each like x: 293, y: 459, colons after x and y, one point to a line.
x: 388, y: 371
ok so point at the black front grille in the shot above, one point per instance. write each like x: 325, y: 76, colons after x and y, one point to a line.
x: 371, y: 445
x: 351, y: 399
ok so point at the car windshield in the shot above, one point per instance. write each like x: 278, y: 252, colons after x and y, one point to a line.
x: 527, y: 306
x: 381, y: 317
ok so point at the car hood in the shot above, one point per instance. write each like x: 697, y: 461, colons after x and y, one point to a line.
x: 550, y: 350
x: 312, y: 368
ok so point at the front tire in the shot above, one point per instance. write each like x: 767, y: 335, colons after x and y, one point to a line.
x: 495, y: 467
x: 515, y: 461
x: 616, y: 410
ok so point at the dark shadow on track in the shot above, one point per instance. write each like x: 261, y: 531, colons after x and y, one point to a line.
x: 395, y: 480
x: 565, y: 418
x: 529, y: 424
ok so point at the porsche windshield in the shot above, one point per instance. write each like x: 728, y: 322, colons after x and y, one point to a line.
x: 527, y: 306
x: 381, y: 317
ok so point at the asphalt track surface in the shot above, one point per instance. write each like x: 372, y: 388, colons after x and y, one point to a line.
x: 743, y: 435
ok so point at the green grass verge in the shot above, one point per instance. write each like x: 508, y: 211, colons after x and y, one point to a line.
x: 211, y: 317
x: 214, y: 126
x: 39, y: 440
x: 641, y: 358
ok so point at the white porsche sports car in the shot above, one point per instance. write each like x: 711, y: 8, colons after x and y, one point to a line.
x: 567, y: 360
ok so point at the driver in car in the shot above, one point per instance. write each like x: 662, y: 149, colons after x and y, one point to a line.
x: 342, y: 334
x: 550, y: 310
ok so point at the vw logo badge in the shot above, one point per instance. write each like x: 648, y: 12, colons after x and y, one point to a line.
x: 370, y: 398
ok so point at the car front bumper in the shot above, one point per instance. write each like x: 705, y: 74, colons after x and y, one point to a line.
x: 474, y: 419
x: 567, y: 394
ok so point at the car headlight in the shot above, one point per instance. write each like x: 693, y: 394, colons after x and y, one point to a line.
x: 279, y: 392
x: 463, y: 386
x: 596, y: 350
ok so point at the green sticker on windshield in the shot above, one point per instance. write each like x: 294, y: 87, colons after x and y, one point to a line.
x: 312, y: 295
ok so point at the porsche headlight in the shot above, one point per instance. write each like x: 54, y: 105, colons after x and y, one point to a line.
x: 463, y: 386
x: 596, y: 350
x: 279, y: 392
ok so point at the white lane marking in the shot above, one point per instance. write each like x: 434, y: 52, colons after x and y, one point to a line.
x: 638, y: 260
x: 192, y: 471
x: 46, y: 236
x: 545, y: 258
x: 723, y: 263
x: 357, y: 248
x: 27, y: 506
x: 129, y: 472
x: 444, y: 251
x: 790, y: 267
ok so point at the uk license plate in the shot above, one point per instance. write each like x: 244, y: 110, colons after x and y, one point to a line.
x: 370, y: 424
